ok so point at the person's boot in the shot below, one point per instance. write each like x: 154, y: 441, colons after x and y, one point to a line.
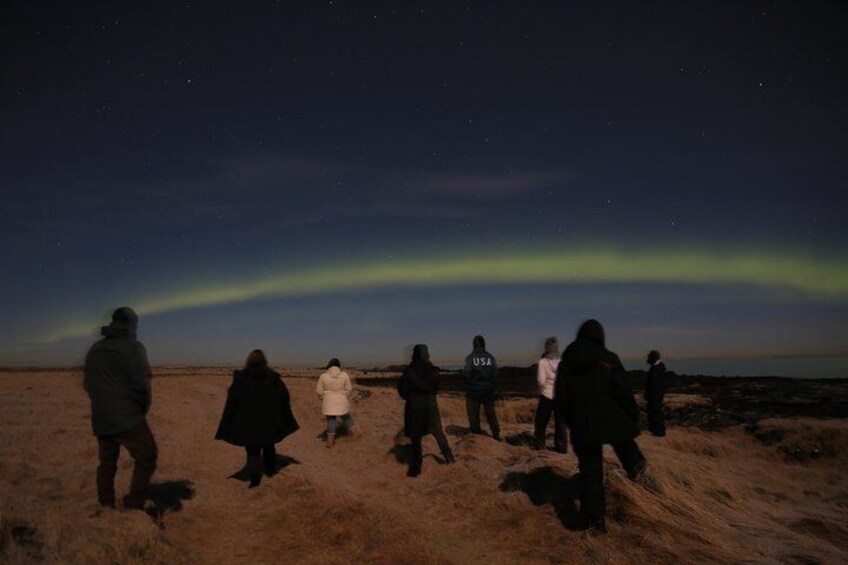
x: 254, y: 471
x: 414, y: 468
x: 448, y: 455
x: 331, y: 440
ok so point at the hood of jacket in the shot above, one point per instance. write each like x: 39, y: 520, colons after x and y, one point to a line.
x: 479, y: 343
x: 582, y: 355
x: 592, y: 330
x: 124, y: 323
x: 420, y: 354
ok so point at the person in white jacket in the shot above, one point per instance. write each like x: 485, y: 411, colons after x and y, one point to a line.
x: 546, y: 378
x: 334, y: 389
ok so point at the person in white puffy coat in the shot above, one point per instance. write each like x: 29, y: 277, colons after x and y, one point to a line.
x: 546, y: 378
x: 334, y: 388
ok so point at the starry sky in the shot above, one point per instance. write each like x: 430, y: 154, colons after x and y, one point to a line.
x: 346, y: 179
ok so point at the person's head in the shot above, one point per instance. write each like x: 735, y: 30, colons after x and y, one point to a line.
x: 420, y: 353
x: 124, y: 322
x: 551, y: 347
x: 653, y: 357
x: 256, y: 359
x: 479, y: 342
x: 592, y: 330
x: 334, y: 363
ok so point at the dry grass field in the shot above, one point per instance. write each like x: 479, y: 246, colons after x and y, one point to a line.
x: 724, y: 496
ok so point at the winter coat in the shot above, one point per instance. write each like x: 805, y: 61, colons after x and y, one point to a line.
x: 258, y: 409
x: 592, y: 397
x: 480, y: 371
x: 546, y: 376
x: 419, y: 385
x: 334, y: 389
x: 117, y: 380
x: 655, y: 385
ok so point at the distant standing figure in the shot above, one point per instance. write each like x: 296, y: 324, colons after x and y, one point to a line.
x: 117, y: 380
x: 599, y: 408
x: 546, y: 377
x: 334, y: 389
x: 480, y: 380
x: 418, y: 386
x: 257, y: 415
x: 654, y: 393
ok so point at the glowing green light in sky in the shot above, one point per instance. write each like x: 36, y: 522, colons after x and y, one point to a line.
x: 811, y: 276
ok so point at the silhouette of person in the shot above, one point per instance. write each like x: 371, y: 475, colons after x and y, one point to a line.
x: 257, y: 415
x: 418, y: 386
x: 480, y: 380
x: 654, y: 393
x: 117, y: 380
x: 598, y: 406
x: 546, y: 378
x: 334, y: 388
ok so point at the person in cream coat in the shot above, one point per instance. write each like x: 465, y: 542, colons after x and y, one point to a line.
x: 334, y: 388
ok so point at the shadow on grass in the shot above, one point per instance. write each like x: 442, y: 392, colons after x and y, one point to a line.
x: 545, y: 486
x: 281, y: 462
x: 168, y: 496
x: 524, y: 439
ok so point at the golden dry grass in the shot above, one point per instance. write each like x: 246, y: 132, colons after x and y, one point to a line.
x: 714, y: 496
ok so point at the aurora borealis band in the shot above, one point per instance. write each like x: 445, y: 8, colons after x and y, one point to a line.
x: 325, y: 179
x: 598, y: 266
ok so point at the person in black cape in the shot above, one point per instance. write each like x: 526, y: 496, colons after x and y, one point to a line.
x: 596, y: 403
x: 257, y: 415
x: 418, y: 386
x: 654, y: 393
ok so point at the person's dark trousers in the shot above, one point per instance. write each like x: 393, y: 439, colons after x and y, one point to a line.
x: 268, y: 461
x: 656, y: 420
x: 543, y: 415
x: 142, y: 447
x: 630, y: 457
x: 473, y: 400
x: 416, y: 457
x: 269, y: 456
x: 593, y: 506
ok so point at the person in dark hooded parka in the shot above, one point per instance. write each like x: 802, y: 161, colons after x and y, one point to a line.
x: 654, y: 393
x: 598, y: 406
x: 418, y: 386
x: 257, y: 415
x: 117, y: 380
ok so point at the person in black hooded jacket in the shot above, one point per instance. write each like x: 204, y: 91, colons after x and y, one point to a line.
x: 117, y: 380
x: 257, y: 415
x: 654, y: 393
x: 597, y: 405
x: 418, y: 386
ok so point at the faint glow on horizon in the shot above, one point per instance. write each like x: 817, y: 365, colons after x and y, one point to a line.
x: 814, y: 277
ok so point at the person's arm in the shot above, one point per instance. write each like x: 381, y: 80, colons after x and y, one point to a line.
x: 540, y: 375
x: 141, y: 376
x: 561, y: 396
x: 348, y: 386
x: 494, y: 372
x: 619, y: 389
x: 319, y: 387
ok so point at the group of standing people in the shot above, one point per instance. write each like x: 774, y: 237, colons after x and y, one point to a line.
x: 583, y: 389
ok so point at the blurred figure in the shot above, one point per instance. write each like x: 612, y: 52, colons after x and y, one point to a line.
x: 654, y: 393
x: 480, y: 379
x: 546, y: 377
x: 334, y: 388
x: 117, y: 380
x: 419, y: 385
x: 257, y: 415
x: 597, y: 405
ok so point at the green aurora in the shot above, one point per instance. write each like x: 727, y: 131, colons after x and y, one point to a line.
x: 811, y: 277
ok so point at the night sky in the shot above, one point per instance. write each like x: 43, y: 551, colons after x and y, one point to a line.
x: 349, y: 178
